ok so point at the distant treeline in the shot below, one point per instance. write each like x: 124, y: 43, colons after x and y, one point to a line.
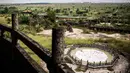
x: 8, y: 10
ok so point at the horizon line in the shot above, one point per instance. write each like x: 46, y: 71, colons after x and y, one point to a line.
x: 61, y: 2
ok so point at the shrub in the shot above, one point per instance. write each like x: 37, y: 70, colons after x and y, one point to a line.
x: 85, y: 30
x: 24, y: 19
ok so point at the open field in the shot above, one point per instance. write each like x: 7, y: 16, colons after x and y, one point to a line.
x: 115, y: 14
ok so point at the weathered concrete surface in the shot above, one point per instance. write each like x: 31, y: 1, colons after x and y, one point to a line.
x: 121, y: 65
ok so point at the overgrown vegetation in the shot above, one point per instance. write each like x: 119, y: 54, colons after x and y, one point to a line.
x: 35, y: 18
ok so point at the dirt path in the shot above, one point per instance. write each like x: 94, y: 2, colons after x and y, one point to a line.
x: 78, y: 33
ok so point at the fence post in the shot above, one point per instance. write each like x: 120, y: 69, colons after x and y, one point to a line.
x: 14, y: 27
x: 57, y: 47
x: 13, y: 34
x: 15, y: 21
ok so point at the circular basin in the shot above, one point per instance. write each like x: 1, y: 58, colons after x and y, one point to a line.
x: 91, y: 55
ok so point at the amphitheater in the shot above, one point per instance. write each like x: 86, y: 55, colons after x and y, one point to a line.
x: 95, y: 58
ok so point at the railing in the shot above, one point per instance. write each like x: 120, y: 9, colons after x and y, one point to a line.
x: 43, y: 53
x: 19, y: 55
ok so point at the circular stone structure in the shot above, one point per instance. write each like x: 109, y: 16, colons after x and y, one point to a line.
x: 95, y: 58
x: 91, y: 55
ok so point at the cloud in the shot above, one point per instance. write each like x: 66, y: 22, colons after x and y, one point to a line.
x: 6, y: 1
x: 59, y: 1
x: 96, y: 1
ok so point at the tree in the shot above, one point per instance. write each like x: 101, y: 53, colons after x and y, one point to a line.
x: 5, y: 10
x: 24, y: 20
x: 50, y: 19
x: 77, y: 11
x: 57, y: 10
x: 51, y: 16
x: 12, y: 9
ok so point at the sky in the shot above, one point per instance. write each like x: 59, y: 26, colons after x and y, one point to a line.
x: 61, y: 1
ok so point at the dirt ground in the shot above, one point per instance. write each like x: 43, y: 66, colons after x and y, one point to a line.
x: 78, y: 34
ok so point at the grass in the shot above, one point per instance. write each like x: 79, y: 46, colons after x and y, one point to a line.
x: 30, y: 52
x: 3, y: 20
x: 70, y: 41
x: 122, y: 45
x: 42, y: 40
x: 45, y: 41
